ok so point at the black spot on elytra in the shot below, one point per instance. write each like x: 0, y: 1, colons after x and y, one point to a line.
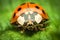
x: 19, y: 9
x: 23, y: 4
x: 37, y: 7
x: 43, y: 11
x: 32, y: 3
x: 14, y: 15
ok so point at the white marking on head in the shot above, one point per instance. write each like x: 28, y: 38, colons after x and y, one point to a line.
x: 21, y: 20
x: 29, y: 17
x: 31, y: 12
x: 27, y: 12
x: 38, y: 18
x: 29, y: 20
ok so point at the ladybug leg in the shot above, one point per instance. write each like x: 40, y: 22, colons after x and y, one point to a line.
x: 30, y: 28
x: 19, y: 26
x: 40, y: 27
x: 36, y: 29
x: 22, y: 31
x: 43, y: 24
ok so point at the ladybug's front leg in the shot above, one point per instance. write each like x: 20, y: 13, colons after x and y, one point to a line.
x: 43, y: 24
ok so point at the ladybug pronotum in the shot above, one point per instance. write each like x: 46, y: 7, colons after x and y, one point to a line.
x: 29, y: 16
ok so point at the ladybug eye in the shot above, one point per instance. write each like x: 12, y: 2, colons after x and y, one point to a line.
x: 43, y: 11
x: 19, y: 9
x: 37, y: 7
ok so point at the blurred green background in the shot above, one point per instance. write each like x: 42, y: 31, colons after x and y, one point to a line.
x: 52, y: 32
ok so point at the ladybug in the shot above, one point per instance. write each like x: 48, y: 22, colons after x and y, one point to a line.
x: 29, y: 16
